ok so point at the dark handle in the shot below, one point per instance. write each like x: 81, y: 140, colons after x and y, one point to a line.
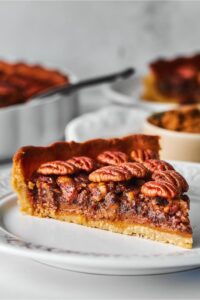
x: 66, y: 89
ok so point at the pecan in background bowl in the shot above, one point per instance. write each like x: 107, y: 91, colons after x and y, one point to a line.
x: 179, y: 131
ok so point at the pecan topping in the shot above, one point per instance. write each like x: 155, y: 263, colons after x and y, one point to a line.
x: 56, y: 167
x: 82, y: 163
x: 140, y: 155
x: 110, y: 173
x: 157, y: 165
x: 173, y: 177
x: 123, y: 172
x: 137, y: 170
x: 112, y: 158
x: 68, y: 188
x: 159, y: 189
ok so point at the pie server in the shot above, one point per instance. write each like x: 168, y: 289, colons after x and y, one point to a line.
x: 73, y: 87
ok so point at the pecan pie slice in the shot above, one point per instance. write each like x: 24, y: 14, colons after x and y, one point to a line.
x: 118, y: 185
x: 175, y: 80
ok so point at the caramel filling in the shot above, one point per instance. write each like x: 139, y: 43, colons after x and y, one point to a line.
x: 113, y: 201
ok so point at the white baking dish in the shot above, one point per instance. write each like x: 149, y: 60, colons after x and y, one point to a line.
x: 38, y: 122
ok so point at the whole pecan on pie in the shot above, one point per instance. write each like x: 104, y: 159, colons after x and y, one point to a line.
x: 159, y: 189
x: 110, y: 173
x: 157, y: 165
x: 68, y: 188
x: 123, y: 172
x: 82, y: 163
x: 137, y: 170
x: 173, y: 177
x: 56, y: 167
x: 140, y: 155
x: 112, y: 157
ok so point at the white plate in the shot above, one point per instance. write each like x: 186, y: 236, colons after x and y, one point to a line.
x: 128, y: 92
x: 78, y: 248
x: 112, y: 121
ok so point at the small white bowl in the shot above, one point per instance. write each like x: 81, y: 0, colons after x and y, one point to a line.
x: 38, y: 122
x: 128, y: 93
x: 176, y: 145
x: 110, y: 121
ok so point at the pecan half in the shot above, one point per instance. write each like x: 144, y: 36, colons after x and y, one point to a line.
x: 157, y: 165
x: 56, y: 167
x: 140, y: 155
x: 159, y: 189
x: 112, y: 158
x: 82, y: 163
x: 173, y: 177
x: 110, y: 173
x: 136, y: 169
x: 123, y: 172
x: 68, y: 188
x: 46, y: 197
x: 98, y: 191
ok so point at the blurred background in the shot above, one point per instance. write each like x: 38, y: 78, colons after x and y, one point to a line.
x: 90, y: 39
x: 96, y: 37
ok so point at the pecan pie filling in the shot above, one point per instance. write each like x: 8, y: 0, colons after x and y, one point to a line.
x: 173, y: 80
x: 114, y: 187
x: 178, y: 78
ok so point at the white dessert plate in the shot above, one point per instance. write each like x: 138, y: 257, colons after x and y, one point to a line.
x: 111, y: 121
x: 128, y: 92
x: 78, y: 248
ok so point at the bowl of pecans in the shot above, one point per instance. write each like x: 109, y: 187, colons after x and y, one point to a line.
x: 179, y: 130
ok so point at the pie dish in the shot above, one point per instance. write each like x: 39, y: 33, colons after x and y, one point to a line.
x: 21, y: 81
x: 38, y: 122
x: 173, y: 81
x: 118, y: 185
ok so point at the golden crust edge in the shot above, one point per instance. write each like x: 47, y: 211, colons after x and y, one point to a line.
x: 151, y: 93
x: 140, y: 230
x: 19, y: 186
x: 29, y: 158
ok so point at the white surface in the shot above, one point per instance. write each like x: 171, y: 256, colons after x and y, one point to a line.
x: 26, y: 279
x: 128, y: 93
x: 83, y: 249
x: 111, y: 121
